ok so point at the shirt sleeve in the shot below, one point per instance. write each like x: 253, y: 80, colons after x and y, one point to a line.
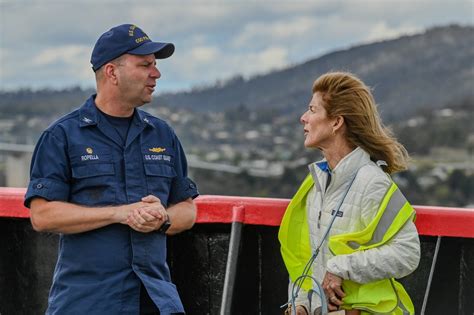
x: 182, y: 186
x: 49, y: 170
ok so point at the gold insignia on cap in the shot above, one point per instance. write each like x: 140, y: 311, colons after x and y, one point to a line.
x: 131, y: 29
x: 89, y: 150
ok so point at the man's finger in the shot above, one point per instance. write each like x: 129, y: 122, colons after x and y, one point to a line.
x: 156, y: 214
x: 151, y: 198
x: 150, y: 216
x: 131, y: 223
x: 138, y: 217
x: 143, y: 228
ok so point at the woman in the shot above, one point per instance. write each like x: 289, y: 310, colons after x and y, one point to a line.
x: 371, y: 237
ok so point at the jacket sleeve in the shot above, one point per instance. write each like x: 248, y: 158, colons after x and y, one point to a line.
x: 395, y: 259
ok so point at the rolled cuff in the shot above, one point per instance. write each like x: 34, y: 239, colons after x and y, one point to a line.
x: 183, y: 188
x: 48, y: 189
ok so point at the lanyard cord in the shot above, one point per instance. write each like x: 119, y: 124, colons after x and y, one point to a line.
x: 299, y: 281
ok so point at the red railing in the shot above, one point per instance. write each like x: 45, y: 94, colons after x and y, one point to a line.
x: 432, y: 221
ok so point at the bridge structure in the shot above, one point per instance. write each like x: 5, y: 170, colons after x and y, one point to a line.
x: 18, y: 157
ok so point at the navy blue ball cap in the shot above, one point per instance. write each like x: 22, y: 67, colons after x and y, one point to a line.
x: 126, y: 39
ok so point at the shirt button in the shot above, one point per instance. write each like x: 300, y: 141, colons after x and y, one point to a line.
x: 39, y: 186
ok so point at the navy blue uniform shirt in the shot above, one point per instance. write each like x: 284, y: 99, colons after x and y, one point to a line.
x: 81, y: 159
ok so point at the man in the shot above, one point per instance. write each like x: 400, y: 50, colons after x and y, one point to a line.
x: 112, y: 181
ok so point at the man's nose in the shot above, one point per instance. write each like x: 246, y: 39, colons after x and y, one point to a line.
x: 155, y: 73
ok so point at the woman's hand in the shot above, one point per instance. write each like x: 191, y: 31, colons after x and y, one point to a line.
x: 332, y: 286
x: 300, y: 310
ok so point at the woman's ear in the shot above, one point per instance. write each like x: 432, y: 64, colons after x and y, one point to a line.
x: 337, y: 124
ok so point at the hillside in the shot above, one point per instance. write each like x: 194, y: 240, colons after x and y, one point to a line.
x: 431, y: 69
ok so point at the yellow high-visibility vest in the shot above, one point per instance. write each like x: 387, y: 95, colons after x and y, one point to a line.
x: 385, y: 296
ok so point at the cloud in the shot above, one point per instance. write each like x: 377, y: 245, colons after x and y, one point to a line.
x: 252, y: 63
x: 177, y: 17
x: 67, y: 62
x: 204, y: 54
x: 5, y: 71
x: 277, y: 31
x: 382, y: 31
x: 67, y: 54
x: 213, y: 39
x: 218, y: 64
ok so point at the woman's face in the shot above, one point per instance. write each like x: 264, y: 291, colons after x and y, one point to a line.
x: 318, y: 128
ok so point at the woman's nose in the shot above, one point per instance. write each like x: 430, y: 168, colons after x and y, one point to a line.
x: 303, y: 118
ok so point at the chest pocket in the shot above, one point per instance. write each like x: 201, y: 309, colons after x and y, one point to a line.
x: 159, y: 177
x: 93, y: 181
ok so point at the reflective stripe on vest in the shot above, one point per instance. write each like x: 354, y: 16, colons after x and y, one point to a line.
x: 397, y: 201
x: 394, y: 211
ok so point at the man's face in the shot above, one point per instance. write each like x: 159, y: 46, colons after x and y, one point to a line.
x: 137, y: 77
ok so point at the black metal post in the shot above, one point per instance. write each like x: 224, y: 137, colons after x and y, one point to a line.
x: 232, y: 259
x: 430, y: 277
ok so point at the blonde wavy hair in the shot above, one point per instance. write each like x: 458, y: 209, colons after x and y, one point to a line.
x: 346, y: 95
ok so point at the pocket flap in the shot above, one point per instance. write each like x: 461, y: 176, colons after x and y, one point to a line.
x: 163, y: 170
x: 92, y: 170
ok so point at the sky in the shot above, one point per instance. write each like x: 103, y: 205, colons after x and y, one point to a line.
x: 47, y: 44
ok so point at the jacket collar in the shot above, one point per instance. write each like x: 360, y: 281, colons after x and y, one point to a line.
x: 345, y: 169
x: 88, y: 113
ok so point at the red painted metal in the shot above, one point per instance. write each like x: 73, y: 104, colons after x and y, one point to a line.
x: 432, y: 221
x: 258, y: 211
x: 11, y: 203
x: 444, y: 221
x: 238, y: 214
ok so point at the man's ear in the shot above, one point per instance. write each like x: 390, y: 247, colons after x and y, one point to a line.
x: 110, y: 72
